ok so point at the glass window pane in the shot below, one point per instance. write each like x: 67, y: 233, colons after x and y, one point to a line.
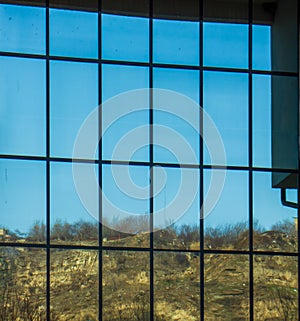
x: 184, y: 82
x: 73, y: 95
x: 22, y: 106
x: 262, y: 131
x: 70, y: 220
x: 176, y: 286
x: 176, y: 42
x: 125, y: 38
x: 176, y: 208
x: 225, y: 45
x: 275, y: 288
x: 23, y: 283
x: 285, y: 122
x: 261, y: 47
x: 275, y: 122
x: 226, y: 102
x: 22, y: 29
x: 73, y: 33
x: 275, y: 224
x: 74, y: 284
x: 169, y: 124
x: 275, y: 38
x: 22, y: 205
x: 126, y: 132
x: 125, y: 205
x: 226, y: 287
x: 226, y: 226
x: 126, y: 286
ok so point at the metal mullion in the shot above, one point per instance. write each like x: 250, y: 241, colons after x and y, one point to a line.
x: 21, y: 55
x: 48, y: 219
x: 201, y: 145
x: 298, y: 196
x: 100, y: 166
x: 250, y: 155
x: 151, y: 159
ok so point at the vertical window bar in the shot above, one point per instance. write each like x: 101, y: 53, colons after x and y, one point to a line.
x: 100, y: 230
x: 298, y: 185
x: 201, y: 194
x: 151, y: 200
x: 250, y: 152
x: 48, y: 307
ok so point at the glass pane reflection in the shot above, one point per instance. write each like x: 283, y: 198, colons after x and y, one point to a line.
x: 126, y: 286
x: 74, y: 284
x: 226, y: 102
x: 22, y: 106
x: 275, y: 228
x: 176, y: 42
x: 22, y: 204
x: 176, y: 286
x: 125, y: 206
x: 73, y: 95
x: 22, y: 284
x: 176, y: 208
x: 125, y: 38
x: 275, y: 288
x: 73, y: 33
x: 226, y: 226
x: 22, y: 29
x: 71, y: 223
x: 226, y: 287
x: 225, y: 45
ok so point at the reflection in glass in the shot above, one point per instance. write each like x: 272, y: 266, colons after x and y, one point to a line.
x: 176, y: 208
x: 275, y: 39
x: 226, y: 226
x: 22, y: 201
x: 118, y: 79
x: 275, y: 228
x: 74, y: 94
x: 22, y: 284
x: 176, y: 286
x: 175, y: 139
x: 261, y: 47
x: 225, y: 45
x: 285, y: 122
x: 73, y: 33
x: 22, y: 106
x: 125, y: 38
x: 126, y: 286
x: 262, y: 132
x: 126, y: 129
x: 226, y: 102
x: 74, y: 284
x: 176, y: 42
x: 275, y: 288
x: 226, y: 287
x: 70, y: 221
x: 183, y: 82
x: 275, y: 122
x: 125, y: 205
x: 22, y: 29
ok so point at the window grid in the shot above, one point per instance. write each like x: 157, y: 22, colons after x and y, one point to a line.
x: 251, y: 252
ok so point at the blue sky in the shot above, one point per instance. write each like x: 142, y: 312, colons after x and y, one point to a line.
x: 74, y: 94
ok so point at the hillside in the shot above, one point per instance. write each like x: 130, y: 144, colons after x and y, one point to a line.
x: 74, y: 284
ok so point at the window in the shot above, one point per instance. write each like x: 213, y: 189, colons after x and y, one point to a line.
x: 116, y: 202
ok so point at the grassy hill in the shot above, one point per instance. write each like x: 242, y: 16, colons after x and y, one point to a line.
x: 74, y: 283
